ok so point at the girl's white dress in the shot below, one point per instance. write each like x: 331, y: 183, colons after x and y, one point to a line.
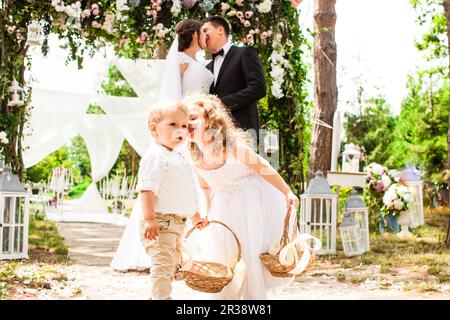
x: 255, y: 211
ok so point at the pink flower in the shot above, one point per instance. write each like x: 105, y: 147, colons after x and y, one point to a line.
x: 239, y: 14
x: 143, y: 37
x: 247, y: 23
x: 248, y: 14
x: 96, y: 11
x: 123, y: 40
x: 86, y: 13
x: 264, y: 35
x: 11, y: 29
x: 189, y: 3
x: 251, y: 32
x: 85, y: 34
x: 94, y: 6
x: 96, y: 24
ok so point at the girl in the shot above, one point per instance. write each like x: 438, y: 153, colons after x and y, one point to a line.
x: 242, y: 190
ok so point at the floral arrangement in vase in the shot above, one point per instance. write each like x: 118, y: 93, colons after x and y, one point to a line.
x: 386, y: 197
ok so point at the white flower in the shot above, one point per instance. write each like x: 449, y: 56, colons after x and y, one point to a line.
x: 278, y: 72
x: 225, y: 6
x: 390, y: 195
x: 386, y: 180
x: 265, y: 6
x: 3, y: 137
x: 176, y: 7
x: 70, y: 11
x: 398, y: 204
x: 377, y: 169
x: 161, y: 33
x: 60, y: 8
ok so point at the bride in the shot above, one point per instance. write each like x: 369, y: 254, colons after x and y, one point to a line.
x: 183, y: 74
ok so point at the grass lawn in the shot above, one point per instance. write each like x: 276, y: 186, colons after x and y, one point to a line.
x: 43, y: 270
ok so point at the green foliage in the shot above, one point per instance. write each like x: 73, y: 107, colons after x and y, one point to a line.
x: 79, y: 189
x: 373, y: 129
x: 420, y: 135
x: 434, y: 41
x: 42, y: 171
x: 79, y: 157
x: 116, y: 85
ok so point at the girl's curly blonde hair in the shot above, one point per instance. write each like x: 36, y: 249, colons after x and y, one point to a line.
x: 219, y: 126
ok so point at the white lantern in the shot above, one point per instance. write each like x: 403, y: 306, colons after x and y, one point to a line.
x: 350, y: 158
x: 15, y: 94
x: 318, y: 213
x: 351, y: 235
x: 34, y: 33
x: 13, y: 217
x: 271, y: 143
x: 411, y: 178
x: 355, y: 206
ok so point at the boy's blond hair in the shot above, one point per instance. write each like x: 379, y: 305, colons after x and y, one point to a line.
x: 159, y: 110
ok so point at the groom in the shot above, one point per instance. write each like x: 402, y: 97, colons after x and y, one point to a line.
x: 238, y: 74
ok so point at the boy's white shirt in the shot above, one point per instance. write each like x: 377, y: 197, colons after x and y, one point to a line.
x: 170, y: 175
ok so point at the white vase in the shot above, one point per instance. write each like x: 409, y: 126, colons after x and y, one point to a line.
x: 404, y: 222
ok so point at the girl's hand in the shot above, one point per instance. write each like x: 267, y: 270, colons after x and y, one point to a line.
x: 292, y: 199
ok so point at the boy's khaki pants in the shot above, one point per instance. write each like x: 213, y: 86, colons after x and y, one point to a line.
x: 164, y: 253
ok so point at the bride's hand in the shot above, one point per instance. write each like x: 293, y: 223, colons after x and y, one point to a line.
x: 292, y: 199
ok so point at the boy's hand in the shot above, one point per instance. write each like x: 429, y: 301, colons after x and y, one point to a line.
x: 151, y: 229
x: 196, y: 218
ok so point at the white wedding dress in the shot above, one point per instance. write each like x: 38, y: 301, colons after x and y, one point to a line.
x: 130, y: 254
x: 255, y: 211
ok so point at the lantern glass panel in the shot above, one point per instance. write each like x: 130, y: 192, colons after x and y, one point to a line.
x: 19, y: 210
x: 18, y: 239
x: 8, y: 209
x: 6, y: 243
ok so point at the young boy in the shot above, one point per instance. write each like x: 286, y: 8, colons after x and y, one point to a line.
x: 168, y: 194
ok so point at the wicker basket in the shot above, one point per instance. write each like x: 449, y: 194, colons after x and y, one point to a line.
x: 210, y: 277
x: 272, y: 262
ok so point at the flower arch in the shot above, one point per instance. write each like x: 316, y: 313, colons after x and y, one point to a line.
x: 142, y: 29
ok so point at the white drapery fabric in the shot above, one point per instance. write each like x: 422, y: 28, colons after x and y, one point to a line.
x: 130, y: 116
x: 54, y: 118
x: 103, y: 141
x: 144, y: 76
x: 52, y: 72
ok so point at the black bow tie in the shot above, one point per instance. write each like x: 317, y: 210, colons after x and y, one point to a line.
x: 218, y: 53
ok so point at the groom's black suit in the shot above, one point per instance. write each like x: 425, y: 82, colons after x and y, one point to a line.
x: 240, y: 84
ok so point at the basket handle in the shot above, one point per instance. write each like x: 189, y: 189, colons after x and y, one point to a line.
x: 285, y: 237
x: 239, y: 255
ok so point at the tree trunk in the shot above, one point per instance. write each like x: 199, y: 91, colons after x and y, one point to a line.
x: 325, y: 88
x: 447, y: 17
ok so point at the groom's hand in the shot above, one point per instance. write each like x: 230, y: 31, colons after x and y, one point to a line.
x: 151, y: 229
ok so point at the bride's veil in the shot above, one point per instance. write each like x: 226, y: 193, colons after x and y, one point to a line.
x: 170, y: 87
